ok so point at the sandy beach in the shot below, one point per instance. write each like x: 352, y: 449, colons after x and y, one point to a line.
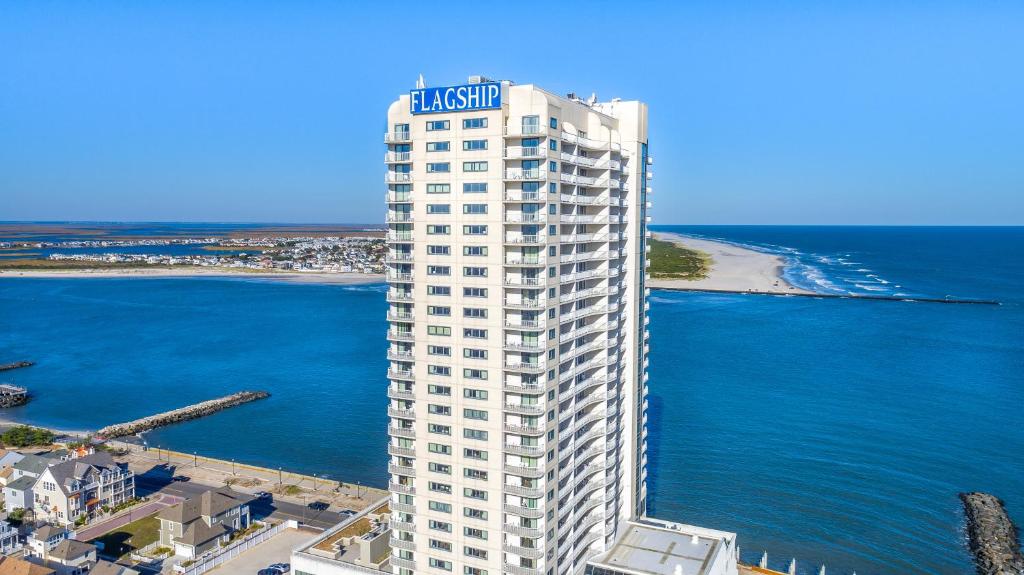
x: 142, y: 273
x: 733, y: 269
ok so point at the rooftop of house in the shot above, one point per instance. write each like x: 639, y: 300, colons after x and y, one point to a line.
x: 652, y: 547
x: 34, y: 464
x: 14, y: 566
x: 71, y: 549
x: 334, y: 544
x: 68, y: 472
x: 107, y: 568
x: 208, y: 504
x: 22, y: 483
x: 47, y: 532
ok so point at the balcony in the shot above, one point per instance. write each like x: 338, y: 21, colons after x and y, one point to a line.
x: 524, y: 323
x: 395, y: 393
x: 397, y: 177
x: 525, y: 218
x: 408, y: 472
x: 397, y: 543
x: 527, y: 512
x: 392, y: 157
x: 402, y: 452
x: 400, y: 335
x: 398, y: 197
x: 400, y: 315
x: 525, y: 261
x: 403, y: 563
x: 523, y: 429
x: 520, y: 130
x: 525, y: 304
x: 394, y: 295
x: 523, y: 409
x: 402, y: 431
x: 523, y: 281
x: 519, y: 174
x: 525, y: 367
x: 399, y: 276
x: 530, y: 451
x: 519, y: 152
x: 401, y: 413
x: 402, y: 374
x: 521, y: 531
x: 398, y: 257
x: 399, y: 217
x: 527, y: 552
x: 397, y: 137
x: 523, y: 387
x: 524, y: 239
x: 591, y: 143
x: 520, y: 196
x: 520, y: 346
x: 399, y: 236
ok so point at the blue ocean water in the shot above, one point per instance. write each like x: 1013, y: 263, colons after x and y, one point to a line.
x: 835, y: 431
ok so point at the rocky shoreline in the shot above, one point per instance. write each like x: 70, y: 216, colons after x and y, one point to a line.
x: 181, y: 414
x: 992, y: 535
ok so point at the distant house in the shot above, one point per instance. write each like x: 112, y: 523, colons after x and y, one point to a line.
x: 107, y: 568
x: 18, y: 491
x: 44, y: 539
x: 78, y: 487
x: 13, y: 566
x: 9, y: 540
x: 9, y: 458
x: 69, y: 557
x: 197, y: 525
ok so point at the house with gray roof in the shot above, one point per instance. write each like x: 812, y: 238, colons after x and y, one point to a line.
x: 69, y: 557
x: 78, y: 488
x: 42, y: 541
x: 18, y: 492
x: 107, y: 568
x: 197, y: 525
x: 9, y: 540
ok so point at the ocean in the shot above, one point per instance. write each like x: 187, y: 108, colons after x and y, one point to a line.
x: 835, y: 431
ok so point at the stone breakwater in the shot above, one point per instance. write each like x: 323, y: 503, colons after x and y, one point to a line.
x: 992, y: 535
x: 16, y: 365
x: 181, y: 414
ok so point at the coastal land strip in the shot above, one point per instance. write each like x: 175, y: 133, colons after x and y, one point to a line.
x: 195, y: 271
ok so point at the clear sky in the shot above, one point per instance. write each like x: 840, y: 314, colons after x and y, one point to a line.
x: 761, y: 113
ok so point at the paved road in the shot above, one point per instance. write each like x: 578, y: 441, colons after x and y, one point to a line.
x: 281, y: 510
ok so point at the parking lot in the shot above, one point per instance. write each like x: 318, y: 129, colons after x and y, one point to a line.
x: 277, y: 549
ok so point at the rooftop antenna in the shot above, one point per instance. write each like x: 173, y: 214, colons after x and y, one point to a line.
x: 763, y: 564
x: 792, y: 567
x: 592, y: 99
x: 420, y: 83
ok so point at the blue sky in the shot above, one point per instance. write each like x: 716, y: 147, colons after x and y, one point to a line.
x: 761, y: 113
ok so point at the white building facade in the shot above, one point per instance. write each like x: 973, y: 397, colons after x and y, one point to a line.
x: 517, y: 340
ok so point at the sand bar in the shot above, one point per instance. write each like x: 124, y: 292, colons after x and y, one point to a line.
x: 184, y: 272
x: 733, y: 269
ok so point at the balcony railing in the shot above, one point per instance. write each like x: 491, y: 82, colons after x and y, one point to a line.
x: 524, y: 239
x: 518, y: 174
x: 399, y: 217
x: 518, y: 130
x: 397, y: 156
x: 401, y: 431
x: 394, y: 177
x: 393, y: 137
x: 520, y: 217
x: 514, y: 152
x: 520, y: 196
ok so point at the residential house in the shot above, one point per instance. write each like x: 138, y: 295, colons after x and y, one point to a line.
x: 9, y: 458
x: 75, y: 489
x: 9, y: 539
x: 69, y: 557
x: 18, y: 491
x: 14, y: 566
x: 44, y: 539
x: 107, y: 568
x: 197, y: 525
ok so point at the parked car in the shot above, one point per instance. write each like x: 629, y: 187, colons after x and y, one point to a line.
x: 263, y: 496
x: 181, y: 478
x: 318, y: 505
x: 282, y: 567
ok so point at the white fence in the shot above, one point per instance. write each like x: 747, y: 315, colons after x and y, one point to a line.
x: 223, y: 555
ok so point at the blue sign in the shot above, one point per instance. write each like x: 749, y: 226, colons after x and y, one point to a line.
x: 485, y: 96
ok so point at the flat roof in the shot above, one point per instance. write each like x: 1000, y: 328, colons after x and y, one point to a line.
x: 664, y: 549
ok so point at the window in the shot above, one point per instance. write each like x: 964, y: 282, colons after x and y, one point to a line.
x: 473, y: 145
x: 475, y: 454
x: 439, y: 188
x: 474, y: 208
x: 474, y: 188
x: 439, y: 448
x: 474, y: 312
x: 439, y: 250
x: 474, y: 333
x: 474, y: 292
x: 472, y: 123
x: 474, y: 513
x: 474, y: 374
x: 553, y: 144
x: 474, y: 552
x: 440, y: 545
x: 438, y: 167
x: 439, y: 564
x: 470, y: 353
x: 554, y: 123
x: 437, y: 125
x: 440, y: 487
x: 552, y: 166
x: 552, y: 188
x: 531, y: 124
x: 474, y: 434
x: 440, y: 526
x: 438, y: 330
x: 472, y: 167
x: 435, y: 409
x: 439, y: 290
x: 474, y: 250
x: 474, y: 272
x: 439, y: 350
x: 474, y: 493
x: 474, y: 393
x: 434, y: 230
x: 439, y: 310
x: 474, y: 533
x: 435, y: 389
x: 439, y: 270
x: 437, y: 147
x: 474, y: 571
x: 474, y: 230
x: 440, y: 430
x: 438, y: 506
x: 442, y: 370
x: 441, y: 208
x: 440, y: 468
x: 478, y: 414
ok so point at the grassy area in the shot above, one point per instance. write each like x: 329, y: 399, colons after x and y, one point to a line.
x: 135, y: 535
x: 56, y: 265
x: 672, y: 261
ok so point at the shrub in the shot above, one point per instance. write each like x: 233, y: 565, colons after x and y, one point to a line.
x: 24, y: 436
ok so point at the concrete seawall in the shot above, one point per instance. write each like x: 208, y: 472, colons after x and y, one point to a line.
x: 992, y: 535
x: 182, y: 414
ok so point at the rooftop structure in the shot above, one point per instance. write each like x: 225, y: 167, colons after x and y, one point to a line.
x: 357, y: 545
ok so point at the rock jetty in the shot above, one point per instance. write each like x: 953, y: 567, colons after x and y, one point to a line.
x: 182, y: 414
x: 16, y: 365
x: 992, y: 535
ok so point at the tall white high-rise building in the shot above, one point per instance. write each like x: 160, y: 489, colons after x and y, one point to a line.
x: 517, y: 231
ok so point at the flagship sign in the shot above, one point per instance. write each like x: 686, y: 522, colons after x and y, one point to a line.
x: 485, y: 96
